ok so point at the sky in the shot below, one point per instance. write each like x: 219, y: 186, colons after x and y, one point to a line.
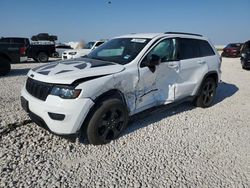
x: 223, y: 21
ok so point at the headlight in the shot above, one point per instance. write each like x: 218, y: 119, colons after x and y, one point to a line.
x: 243, y: 55
x: 65, y: 92
x: 72, y: 53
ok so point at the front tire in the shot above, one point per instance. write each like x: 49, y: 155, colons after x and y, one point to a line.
x: 207, y: 94
x: 108, y: 120
x: 5, y: 66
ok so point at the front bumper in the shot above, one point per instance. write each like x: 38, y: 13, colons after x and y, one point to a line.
x: 75, y: 111
x: 67, y: 56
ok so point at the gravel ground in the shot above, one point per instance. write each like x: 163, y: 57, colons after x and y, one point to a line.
x: 180, y: 146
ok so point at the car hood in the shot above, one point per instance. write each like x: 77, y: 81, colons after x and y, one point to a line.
x: 69, y: 71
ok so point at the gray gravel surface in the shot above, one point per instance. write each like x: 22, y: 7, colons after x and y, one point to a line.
x: 180, y: 146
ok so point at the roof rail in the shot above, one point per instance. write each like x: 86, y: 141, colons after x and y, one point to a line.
x: 183, y: 33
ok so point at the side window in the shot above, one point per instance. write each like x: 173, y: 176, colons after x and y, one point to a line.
x: 166, y: 50
x: 189, y: 48
x: 18, y: 40
x: 205, y: 48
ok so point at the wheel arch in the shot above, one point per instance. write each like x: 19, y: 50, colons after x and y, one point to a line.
x: 210, y: 74
x: 2, y: 55
x: 41, y: 51
x: 113, y: 93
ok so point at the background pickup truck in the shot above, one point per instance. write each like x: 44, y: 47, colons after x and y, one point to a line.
x: 40, y: 51
x: 11, y: 53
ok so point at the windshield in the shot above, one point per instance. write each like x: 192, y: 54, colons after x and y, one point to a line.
x: 120, y: 50
x: 89, y: 45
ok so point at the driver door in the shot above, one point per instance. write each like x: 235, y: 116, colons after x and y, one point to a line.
x: 158, y: 87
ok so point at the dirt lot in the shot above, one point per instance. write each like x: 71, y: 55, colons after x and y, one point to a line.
x: 180, y: 146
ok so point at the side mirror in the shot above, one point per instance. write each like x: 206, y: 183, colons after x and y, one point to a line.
x: 152, y: 62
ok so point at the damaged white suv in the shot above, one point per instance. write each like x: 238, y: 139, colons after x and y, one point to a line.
x: 95, y: 95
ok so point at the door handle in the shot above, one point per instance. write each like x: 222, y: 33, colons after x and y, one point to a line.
x: 202, y: 62
x: 172, y: 64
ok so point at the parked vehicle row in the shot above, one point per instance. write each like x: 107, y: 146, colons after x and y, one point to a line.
x: 60, y: 48
x: 40, y: 51
x: 75, y: 53
x: 95, y: 95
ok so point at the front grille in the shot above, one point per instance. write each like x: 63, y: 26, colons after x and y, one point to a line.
x: 38, y: 89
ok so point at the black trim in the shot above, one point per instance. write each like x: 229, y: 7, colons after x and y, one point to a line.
x: 183, y: 33
x: 81, y: 80
x: 56, y: 116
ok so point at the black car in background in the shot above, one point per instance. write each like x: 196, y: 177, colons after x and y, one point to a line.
x: 40, y: 51
x: 232, y: 50
x: 245, y: 55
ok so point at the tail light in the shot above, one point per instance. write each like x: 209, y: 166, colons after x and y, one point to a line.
x: 22, y: 50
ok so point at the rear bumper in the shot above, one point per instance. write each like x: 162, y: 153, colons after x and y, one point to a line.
x: 230, y: 54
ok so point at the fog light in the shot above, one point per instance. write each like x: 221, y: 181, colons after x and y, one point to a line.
x: 55, y: 116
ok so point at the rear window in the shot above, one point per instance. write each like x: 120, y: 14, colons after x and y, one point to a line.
x: 15, y: 40
x: 5, y: 40
x: 205, y: 49
x: 233, y: 45
x: 189, y: 48
x: 18, y: 41
x: 193, y: 48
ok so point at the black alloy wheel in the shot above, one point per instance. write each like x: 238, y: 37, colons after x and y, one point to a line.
x: 111, y: 124
x: 207, y: 93
x: 109, y: 119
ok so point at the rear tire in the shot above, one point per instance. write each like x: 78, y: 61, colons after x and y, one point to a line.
x: 5, y: 66
x: 243, y: 65
x: 107, y: 122
x: 42, y: 57
x: 206, y: 94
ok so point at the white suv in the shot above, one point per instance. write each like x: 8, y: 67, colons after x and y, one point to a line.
x: 94, y: 96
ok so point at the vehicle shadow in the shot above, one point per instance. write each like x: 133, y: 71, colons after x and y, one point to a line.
x: 145, y: 118
x: 225, y: 90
